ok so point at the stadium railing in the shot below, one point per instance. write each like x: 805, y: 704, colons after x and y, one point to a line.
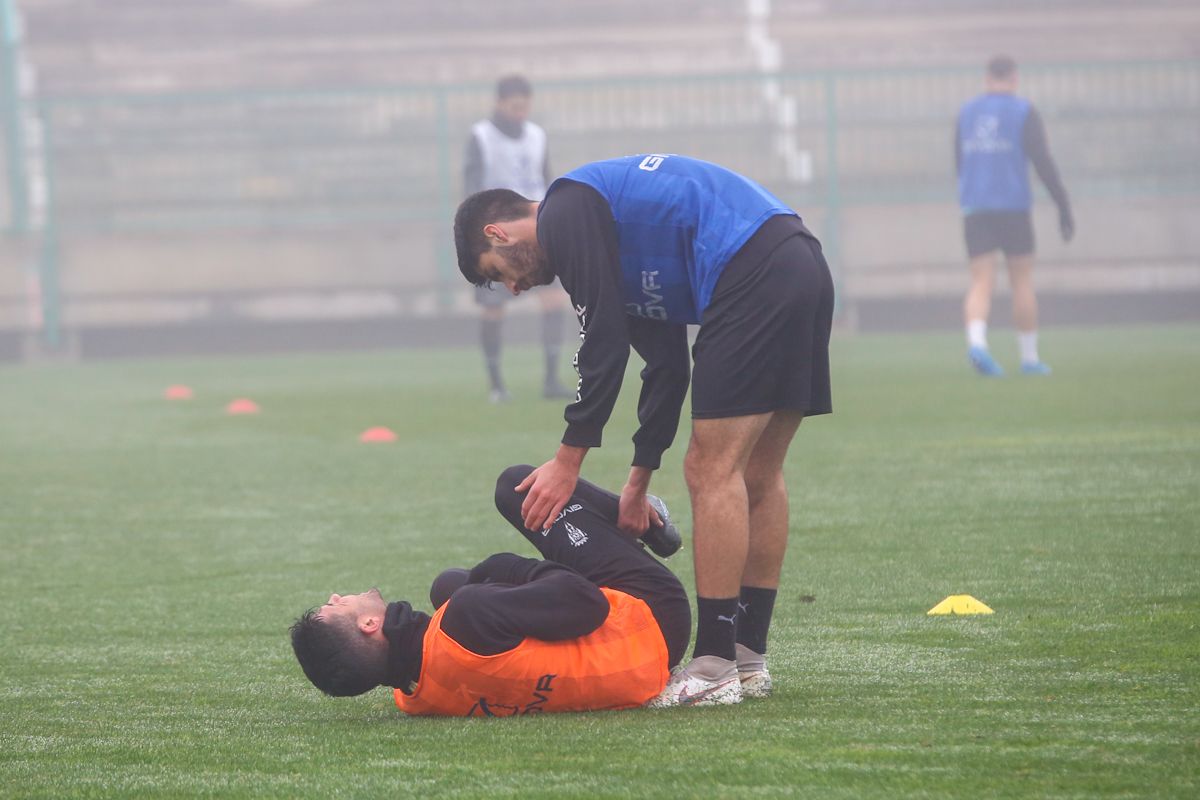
x: 377, y: 163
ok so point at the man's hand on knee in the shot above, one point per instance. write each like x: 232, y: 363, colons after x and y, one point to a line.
x: 549, y: 488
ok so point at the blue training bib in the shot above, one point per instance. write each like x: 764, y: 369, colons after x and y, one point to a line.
x: 679, y: 222
x: 993, y: 175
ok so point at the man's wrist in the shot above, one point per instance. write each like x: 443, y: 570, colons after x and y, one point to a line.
x: 570, y: 456
x: 639, y: 479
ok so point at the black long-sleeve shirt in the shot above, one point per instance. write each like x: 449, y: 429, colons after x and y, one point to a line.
x: 506, y: 599
x: 579, y: 237
x: 509, y: 598
x: 1037, y: 149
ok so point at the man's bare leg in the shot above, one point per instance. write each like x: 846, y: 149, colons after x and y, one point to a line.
x: 768, y: 500
x: 1020, y: 278
x: 976, y: 307
x: 716, y: 465
x: 769, y: 520
x: 1025, y: 312
x: 715, y: 469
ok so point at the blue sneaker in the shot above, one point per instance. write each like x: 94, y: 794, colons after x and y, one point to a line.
x: 1035, y: 368
x: 983, y: 362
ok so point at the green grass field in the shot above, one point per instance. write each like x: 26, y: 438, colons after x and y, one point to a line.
x: 154, y: 554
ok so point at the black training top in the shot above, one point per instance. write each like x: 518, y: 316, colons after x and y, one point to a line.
x: 506, y: 599
x: 577, y: 233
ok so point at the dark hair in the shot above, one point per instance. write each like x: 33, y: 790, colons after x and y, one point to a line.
x: 1001, y: 67
x: 482, y: 208
x: 331, y: 656
x: 511, y: 85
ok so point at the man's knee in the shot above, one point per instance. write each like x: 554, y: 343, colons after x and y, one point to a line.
x: 705, y: 466
x: 764, y: 483
x: 693, y: 469
x: 508, y: 502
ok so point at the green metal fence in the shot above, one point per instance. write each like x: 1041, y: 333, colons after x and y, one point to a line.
x: 374, y: 157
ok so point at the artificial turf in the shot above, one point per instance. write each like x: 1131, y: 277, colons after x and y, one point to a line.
x: 154, y: 553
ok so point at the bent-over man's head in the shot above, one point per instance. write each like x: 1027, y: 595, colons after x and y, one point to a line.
x: 341, y: 646
x: 495, y: 234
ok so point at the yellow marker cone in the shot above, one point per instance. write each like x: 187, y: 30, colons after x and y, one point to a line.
x: 959, y: 604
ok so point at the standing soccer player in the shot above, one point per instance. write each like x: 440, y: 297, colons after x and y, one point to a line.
x: 507, y: 151
x: 645, y: 245
x: 995, y: 135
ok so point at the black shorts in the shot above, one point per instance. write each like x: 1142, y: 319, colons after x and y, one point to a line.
x: 763, y: 343
x: 585, y: 537
x: 1009, y: 231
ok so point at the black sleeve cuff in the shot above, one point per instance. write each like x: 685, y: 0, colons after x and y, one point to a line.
x: 582, y: 434
x: 648, y: 456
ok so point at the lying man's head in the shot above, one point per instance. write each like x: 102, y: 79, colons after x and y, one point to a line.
x: 341, y: 646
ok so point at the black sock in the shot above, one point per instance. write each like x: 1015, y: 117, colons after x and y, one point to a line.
x: 552, y: 334
x: 716, y: 627
x: 489, y: 336
x: 754, y: 617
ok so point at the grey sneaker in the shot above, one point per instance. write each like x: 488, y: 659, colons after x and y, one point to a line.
x: 664, y: 542
x: 499, y: 397
x: 752, y: 673
x: 705, y: 681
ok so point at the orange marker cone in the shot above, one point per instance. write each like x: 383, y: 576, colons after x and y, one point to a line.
x: 178, y: 392
x: 378, y: 435
x: 242, y: 406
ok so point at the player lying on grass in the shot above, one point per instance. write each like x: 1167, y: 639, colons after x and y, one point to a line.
x: 596, y: 625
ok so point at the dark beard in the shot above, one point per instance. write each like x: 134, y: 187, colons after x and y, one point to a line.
x: 529, y: 258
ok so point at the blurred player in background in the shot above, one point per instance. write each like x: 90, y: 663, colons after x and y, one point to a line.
x: 645, y: 245
x: 507, y: 151
x: 994, y: 137
x: 596, y: 625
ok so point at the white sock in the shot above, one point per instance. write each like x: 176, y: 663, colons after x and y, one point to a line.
x: 977, y: 333
x: 1028, y: 345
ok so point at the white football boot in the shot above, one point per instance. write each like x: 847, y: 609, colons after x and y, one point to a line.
x: 704, y: 681
x: 752, y: 673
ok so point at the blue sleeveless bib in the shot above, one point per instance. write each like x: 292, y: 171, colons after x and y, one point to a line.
x: 679, y: 222
x: 993, y: 175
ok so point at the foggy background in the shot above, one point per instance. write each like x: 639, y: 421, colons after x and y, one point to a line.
x: 240, y: 175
